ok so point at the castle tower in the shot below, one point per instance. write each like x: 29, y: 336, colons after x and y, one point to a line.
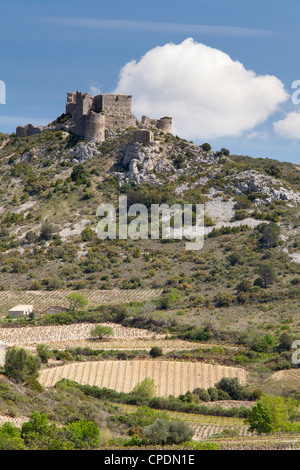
x: 165, y: 124
x: 71, y: 102
x: 103, y: 115
x: 83, y: 105
x: 94, y: 126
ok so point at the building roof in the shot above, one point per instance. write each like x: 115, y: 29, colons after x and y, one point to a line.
x: 21, y: 307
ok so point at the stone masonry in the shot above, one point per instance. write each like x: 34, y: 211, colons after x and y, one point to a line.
x: 99, y: 117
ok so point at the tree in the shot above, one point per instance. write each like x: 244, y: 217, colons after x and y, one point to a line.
x: 77, y: 301
x: 273, y: 170
x: 263, y: 344
x: 260, y: 419
x: 157, y: 433
x: 268, y: 274
x: 39, y: 434
x: 168, y: 301
x: 206, y: 147
x: 79, y: 174
x: 101, y: 331
x: 163, y: 432
x: 272, y: 414
x: 231, y: 386
x: 21, y: 365
x: 179, y: 431
x: 87, y: 234
x: 202, y: 394
x: 225, y: 151
x: 156, y: 351
x: 83, y: 434
x: 234, y: 258
x: 145, y: 389
x: 285, y: 342
x: 43, y: 353
x: 10, y: 438
x: 283, y: 411
x: 269, y: 234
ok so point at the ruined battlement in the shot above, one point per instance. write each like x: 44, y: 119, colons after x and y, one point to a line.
x: 99, y: 117
x: 96, y: 117
x: 79, y: 104
x: 164, y: 123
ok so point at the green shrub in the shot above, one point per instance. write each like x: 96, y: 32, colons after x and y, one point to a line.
x: 10, y: 438
x: 101, y: 331
x: 21, y: 365
x: 231, y: 387
x: 156, y: 351
x: 47, y: 231
x: 202, y: 394
x: 162, y: 432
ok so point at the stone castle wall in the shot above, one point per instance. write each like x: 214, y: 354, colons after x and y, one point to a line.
x: 29, y: 129
x: 94, y: 126
x: 164, y: 124
x: 99, y: 117
x: 116, y: 104
x: 96, y: 117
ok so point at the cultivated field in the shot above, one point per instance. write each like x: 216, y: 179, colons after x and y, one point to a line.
x: 229, y: 433
x: 78, y: 335
x: 170, y: 377
x: 205, y: 426
x: 44, y: 299
x: 61, y: 334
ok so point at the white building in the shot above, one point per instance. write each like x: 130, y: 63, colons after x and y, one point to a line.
x: 21, y: 310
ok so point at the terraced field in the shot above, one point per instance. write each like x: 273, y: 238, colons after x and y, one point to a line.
x: 170, y: 377
x: 204, y: 426
x: 43, y: 299
x: 230, y: 433
x: 79, y: 335
x: 71, y: 334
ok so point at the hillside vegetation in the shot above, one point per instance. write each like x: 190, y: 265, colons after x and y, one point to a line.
x: 237, y: 298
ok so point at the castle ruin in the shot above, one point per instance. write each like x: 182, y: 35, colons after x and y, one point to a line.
x: 100, y: 117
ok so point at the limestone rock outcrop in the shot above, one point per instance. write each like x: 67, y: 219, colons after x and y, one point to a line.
x: 252, y: 181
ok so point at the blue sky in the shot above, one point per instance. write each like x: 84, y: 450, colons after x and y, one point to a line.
x: 49, y: 48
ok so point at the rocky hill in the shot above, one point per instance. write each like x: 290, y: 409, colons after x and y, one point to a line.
x: 52, y: 183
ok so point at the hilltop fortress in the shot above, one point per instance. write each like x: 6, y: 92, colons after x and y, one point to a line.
x: 99, y: 117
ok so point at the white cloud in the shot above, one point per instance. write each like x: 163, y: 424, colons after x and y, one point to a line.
x: 207, y: 93
x: 257, y: 135
x: 157, y: 27
x: 289, y: 127
x: 95, y: 89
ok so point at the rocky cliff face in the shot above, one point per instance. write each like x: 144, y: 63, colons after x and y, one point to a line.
x: 154, y: 162
x: 142, y: 162
x: 268, y: 188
